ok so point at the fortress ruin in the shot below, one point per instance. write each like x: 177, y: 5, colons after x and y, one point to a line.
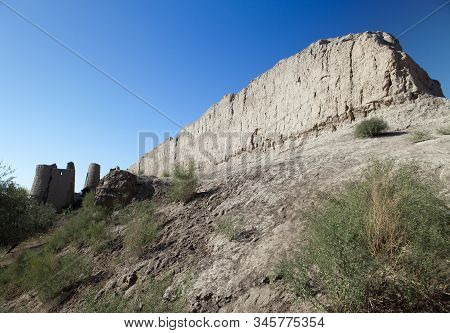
x: 92, y: 177
x: 57, y: 186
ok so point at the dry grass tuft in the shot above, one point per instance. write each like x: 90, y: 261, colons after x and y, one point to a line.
x: 380, y: 245
x: 184, y: 183
x: 370, y: 128
x: 419, y: 136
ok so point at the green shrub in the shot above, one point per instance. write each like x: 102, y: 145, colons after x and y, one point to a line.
x: 42, y: 216
x: 20, y: 216
x: 370, y: 128
x: 381, y: 245
x: 86, y: 226
x: 419, y: 136
x: 166, y: 174
x: 184, y: 183
x: 48, y: 273
x: 44, y: 272
x: 444, y: 130
x: 230, y: 227
x: 142, y: 227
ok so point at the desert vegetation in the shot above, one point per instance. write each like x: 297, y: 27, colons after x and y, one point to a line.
x: 444, y: 130
x: 44, y: 272
x: 370, y: 128
x: 379, y: 245
x: 64, y: 258
x: 56, y: 264
x: 184, y: 183
x: 230, y: 227
x: 419, y: 136
x: 20, y: 216
x: 83, y: 227
x: 142, y: 227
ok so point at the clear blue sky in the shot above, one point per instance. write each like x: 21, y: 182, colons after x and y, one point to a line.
x: 182, y: 56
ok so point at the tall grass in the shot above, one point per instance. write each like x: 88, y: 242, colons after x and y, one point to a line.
x: 142, y: 227
x: 380, y: 245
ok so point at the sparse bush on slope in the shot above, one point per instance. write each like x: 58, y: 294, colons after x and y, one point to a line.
x: 57, y: 265
x: 380, y: 245
x: 419, y: 136
x: 184, y: 183
x: 44, y: 272
x: 230, y: 227
x: 20, y: 216
x: 84, y: 227
x: 370, y: 128
x: 444, y: 130
x: 142, y: 227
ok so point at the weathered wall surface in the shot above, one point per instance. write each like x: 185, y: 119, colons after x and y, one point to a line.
x: 61, y: 189
x: 330, y: 83
x: 54, y: 186
x: 41, y: 181
x: 92, y: 177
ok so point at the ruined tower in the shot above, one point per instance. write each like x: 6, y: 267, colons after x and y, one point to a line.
x: 54, y: 186
x: 42, y: 177
x: 92, y: 177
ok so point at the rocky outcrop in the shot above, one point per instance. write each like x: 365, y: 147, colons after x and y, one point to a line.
x: 331, y: 83
x: 121, y: 187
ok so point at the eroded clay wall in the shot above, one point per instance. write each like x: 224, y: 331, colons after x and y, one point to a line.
x: 54, y: 186
x: 329, y: 84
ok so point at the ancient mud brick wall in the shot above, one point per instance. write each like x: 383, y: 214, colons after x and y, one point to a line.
x: 329, y: 84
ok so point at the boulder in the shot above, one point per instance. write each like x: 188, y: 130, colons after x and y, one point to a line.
x: 121, y: 187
